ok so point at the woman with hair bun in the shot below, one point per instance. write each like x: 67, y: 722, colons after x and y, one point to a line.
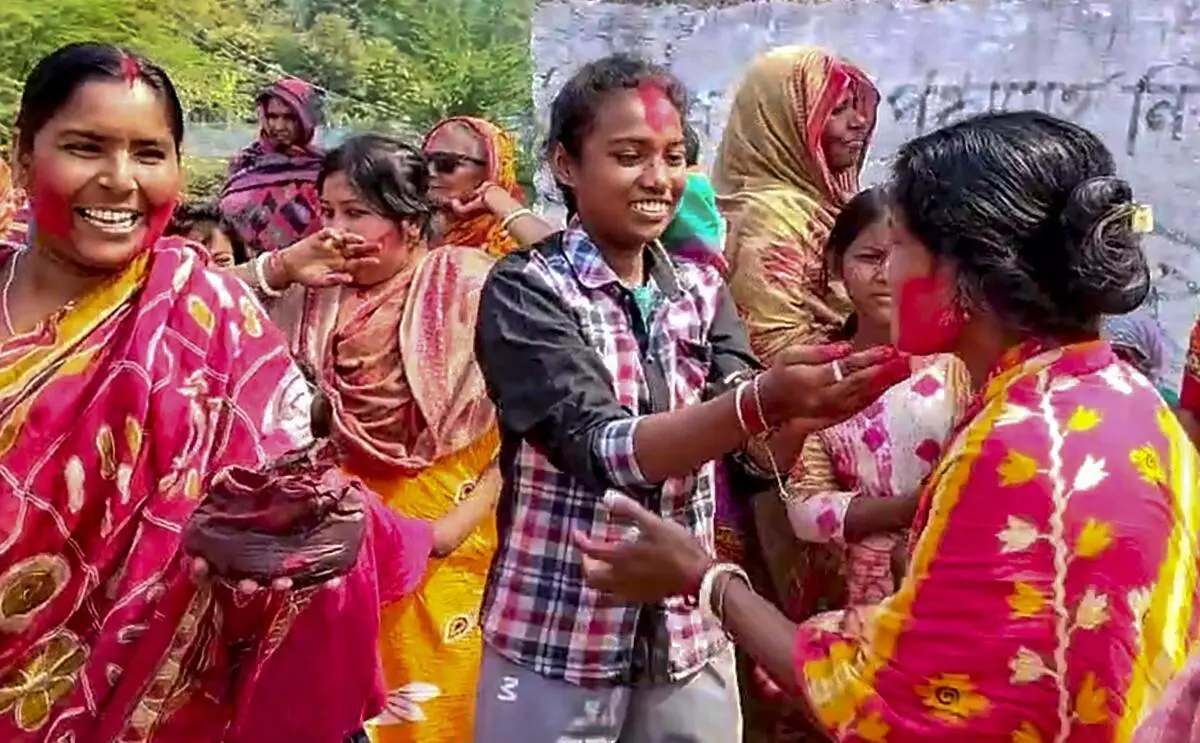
x: 1052, y: 583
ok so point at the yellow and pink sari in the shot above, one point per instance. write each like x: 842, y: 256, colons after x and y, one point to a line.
x: 114, y: 413
x: 413, y: 420
x: 1052, y: 592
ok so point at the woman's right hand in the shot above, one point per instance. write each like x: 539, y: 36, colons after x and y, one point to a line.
x: 804, y: 382
x: 327, y: 258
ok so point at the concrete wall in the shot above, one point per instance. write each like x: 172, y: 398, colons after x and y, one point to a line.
x: 1128, y: 69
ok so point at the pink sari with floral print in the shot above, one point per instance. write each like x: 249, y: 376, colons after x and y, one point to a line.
x: 1053, y: 588
x: 113, y: 415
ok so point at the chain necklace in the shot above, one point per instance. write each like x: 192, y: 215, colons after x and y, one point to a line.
x: 8, y: 280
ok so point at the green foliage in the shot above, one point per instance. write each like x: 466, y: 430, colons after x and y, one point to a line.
x: 404, y: 62
x: 203, y: 177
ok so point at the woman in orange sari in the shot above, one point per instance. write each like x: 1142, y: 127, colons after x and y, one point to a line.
x: 131, y: 375
x: 1052, y: 592
x: 395, y: 353
x: 473, y: 164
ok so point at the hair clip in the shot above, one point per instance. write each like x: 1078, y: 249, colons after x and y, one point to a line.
x: 1142, y: 220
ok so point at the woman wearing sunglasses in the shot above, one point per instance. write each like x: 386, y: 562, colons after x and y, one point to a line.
x: 473, y: 164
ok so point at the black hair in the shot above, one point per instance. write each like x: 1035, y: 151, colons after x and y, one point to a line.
x: 691, y: 144
x: 391, y: 176
x: 865, y: 209
x: 573, y: 111
x: 1030, y: 210
x: 204, y: 217
x: 57, y: 76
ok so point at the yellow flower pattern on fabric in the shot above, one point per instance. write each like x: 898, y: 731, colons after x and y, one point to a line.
x: 1027, y: 733
x: 1094, y: 538
x: 952, y: 697
x: 1148, y: 464
x: 872, y: 728
x: 251, y: 322
x: 28, y: 587
x: 201, y: 313
x: 1017, y: 469
x: 32, y: 690
x: 1083, y: 419
x: 1026, y: 600
x: 831, y: 688
x: 1091, y: 703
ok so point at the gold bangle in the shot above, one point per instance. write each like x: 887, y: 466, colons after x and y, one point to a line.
x: 514, y: 215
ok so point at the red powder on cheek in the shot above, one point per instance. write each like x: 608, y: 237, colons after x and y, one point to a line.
x: 660, y: 112
x: 157, y: 220
x: 927, y: 320
x: 51, y: 209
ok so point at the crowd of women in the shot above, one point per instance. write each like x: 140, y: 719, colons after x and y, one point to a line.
x: 367, y: 450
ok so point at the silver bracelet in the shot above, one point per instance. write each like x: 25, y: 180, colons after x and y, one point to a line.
x: 257, y: 266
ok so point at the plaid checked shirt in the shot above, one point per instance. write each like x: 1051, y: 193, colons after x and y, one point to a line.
x: 571, y: 363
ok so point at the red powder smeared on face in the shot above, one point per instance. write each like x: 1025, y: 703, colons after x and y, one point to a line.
x: 660, y: 111
x: 130, y: 69
x: 51, y: 209
x: 927, y: 319
x: 157, y: 220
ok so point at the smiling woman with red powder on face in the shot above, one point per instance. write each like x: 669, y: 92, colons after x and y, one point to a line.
x: 1052, y: 588
x: 615, y: 366
x: 130, y: 376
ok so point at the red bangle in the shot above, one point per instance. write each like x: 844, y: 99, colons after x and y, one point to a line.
x: 751, y: 411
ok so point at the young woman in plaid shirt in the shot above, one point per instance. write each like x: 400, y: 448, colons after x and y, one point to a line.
x: 616, y: 368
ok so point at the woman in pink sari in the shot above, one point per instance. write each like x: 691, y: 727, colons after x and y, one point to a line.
x: 130, y: 374
x: 270, y: 198
x: 1052, y: 589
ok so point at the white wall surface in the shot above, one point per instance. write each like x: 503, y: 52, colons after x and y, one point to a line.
x: 1128, y: 69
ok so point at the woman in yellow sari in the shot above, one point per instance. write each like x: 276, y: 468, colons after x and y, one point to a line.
x: 789, y: 160
x: 394, y: 352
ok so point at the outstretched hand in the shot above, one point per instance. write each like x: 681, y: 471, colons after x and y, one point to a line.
x: 201, y: 573
x: 661, y: 559
x: 828, y: 384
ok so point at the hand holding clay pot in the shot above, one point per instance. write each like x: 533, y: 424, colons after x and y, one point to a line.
x: 298, y: 522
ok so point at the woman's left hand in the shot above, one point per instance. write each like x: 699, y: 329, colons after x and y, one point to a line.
x: 664, y: 559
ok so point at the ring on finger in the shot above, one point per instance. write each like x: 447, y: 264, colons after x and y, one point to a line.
x: 837, y: 370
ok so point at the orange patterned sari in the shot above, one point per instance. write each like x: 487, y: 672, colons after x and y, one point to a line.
x: 483, y: 231
x: 780, y: 198
x: 113, y: 415
x: 413, y: 420
x: 1053, y: 589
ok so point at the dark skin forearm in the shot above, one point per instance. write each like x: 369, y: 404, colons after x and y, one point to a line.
x: 1191, y: 424
x: 711, y: 430
x: 760, y: 629
x: 867, y: 516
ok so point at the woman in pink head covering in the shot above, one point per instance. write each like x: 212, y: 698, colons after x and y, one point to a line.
x: 270, y: 197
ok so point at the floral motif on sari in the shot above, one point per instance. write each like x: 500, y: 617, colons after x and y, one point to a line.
x: 1189, y: 391
x: 112, y: 414
x: 1053, y: 588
